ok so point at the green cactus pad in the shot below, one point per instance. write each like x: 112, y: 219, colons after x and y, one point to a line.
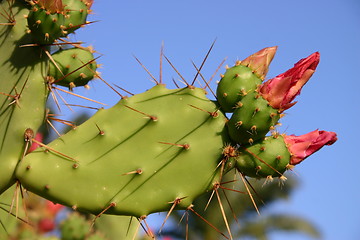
x: 252, y: 119
x: 236, y: 82
x: 77, y: 67
x: 135, y: 158
x: 23, y: 92
x: 44, y: 26
x: 76, y: 12
x: 267, y: 158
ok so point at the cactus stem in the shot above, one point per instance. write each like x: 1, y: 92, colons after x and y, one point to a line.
x: 174, y: 203
x: 153, y: 118
x: 213, y: 114
x: 206, y: 221
x: 185, y: 146
x: 148, y: 72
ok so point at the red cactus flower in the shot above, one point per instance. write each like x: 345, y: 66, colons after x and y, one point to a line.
x: 301, y: 147
x: 281, y: 90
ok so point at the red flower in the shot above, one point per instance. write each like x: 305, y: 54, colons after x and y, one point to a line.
x: 301, y: 147
x: 281, y: 90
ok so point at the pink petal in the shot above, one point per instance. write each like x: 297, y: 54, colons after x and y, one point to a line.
x: 281, y: 90
x: 303, y: 146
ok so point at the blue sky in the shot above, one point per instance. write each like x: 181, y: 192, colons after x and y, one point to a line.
x: 329, y: 185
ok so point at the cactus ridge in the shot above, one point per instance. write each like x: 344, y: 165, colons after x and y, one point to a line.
x: 234, y: 84
x: 128, y: 162
x: 252, y: 119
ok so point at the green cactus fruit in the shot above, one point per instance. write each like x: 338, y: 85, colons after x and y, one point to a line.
x: 45, y: 25
x: 76, y: 13
x: 252, y: 119
x: 244, y: 77
x: 234, y: 84
x: 74, y: 67
x: 74, y: 227
x: 264, y: 159
x: 148, y: 152
x: 23, y: 92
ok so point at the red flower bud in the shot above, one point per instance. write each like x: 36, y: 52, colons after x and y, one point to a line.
x: 300, y: 147
x: 281, y: 90
x: 52, y: 5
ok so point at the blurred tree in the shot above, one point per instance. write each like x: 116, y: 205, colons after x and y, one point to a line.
x: 241, y: 214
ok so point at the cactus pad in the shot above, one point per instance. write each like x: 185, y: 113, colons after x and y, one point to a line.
x: 138, y: 157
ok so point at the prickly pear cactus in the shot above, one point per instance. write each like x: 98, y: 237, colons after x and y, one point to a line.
x: 23, y: 91
x: 152, y: 152
x: 124, y: 156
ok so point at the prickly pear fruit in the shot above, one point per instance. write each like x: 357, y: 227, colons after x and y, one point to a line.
x: 76, y: 12
x: 252, y: 119
x: 74, y: 67
x: 269, y: 157
x: 244, y: 77
x: 45, y: 22
x: 275, y: 154
x: 149, y: 151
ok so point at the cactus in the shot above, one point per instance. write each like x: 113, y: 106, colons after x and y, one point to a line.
x: 152, y: 152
